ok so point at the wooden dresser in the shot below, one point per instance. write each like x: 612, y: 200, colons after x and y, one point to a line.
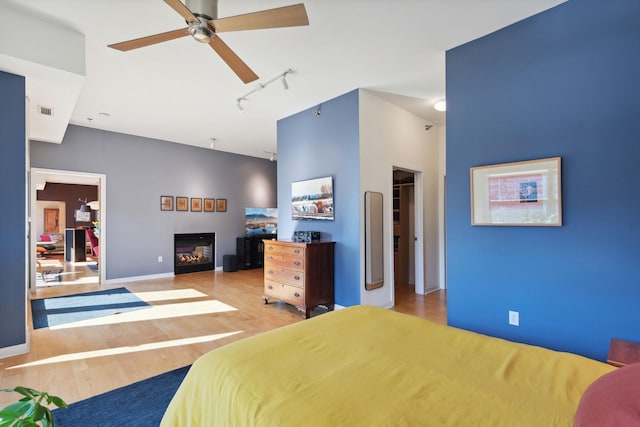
x: 300, y: 274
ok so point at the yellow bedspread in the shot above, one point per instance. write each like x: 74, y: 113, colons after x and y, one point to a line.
x: 366, y: 366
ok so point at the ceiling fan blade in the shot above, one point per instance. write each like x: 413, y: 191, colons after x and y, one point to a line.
x: 288, y: 16
x: 149, y: 40
x: 234, y: 62
x: 183, y: 10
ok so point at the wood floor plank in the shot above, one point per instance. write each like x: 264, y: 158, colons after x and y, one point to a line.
x: 191, y: 314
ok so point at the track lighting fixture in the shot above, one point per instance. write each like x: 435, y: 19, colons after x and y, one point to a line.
x: 272, y: 156
x: 261, y: 86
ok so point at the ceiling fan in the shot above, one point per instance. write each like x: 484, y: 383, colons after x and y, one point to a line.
x: 203, y: 25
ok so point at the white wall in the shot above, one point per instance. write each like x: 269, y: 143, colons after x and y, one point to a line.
x: 391, y: 136
x: 442, y: 226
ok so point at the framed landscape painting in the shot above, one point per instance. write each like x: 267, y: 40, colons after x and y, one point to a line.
x: 312, y: 199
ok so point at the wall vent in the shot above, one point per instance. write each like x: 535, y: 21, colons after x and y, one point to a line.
x: 45, y: 111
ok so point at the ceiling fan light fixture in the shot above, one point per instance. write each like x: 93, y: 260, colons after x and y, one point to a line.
x: 201, y: 32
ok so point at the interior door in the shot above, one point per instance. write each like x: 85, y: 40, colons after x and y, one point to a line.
x: 51, y: 220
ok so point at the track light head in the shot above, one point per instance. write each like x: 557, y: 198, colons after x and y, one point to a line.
x: 285, y: 85
x: 239, y: 105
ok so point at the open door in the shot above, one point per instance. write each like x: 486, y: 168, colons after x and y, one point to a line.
x: 408, y: 262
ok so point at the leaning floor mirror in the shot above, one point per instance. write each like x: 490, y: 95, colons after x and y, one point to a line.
x: 373, y: 241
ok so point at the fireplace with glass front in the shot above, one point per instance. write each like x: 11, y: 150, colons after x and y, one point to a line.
x: 194, y: 252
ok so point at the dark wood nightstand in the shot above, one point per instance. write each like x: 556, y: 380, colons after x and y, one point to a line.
x: 623, y: 353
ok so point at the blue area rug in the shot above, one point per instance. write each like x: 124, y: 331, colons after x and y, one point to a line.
x: 91, y: 305
x: 93, y: 267
x: 140, y: 404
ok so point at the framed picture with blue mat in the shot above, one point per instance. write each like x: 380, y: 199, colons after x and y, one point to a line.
x: 61, y: 310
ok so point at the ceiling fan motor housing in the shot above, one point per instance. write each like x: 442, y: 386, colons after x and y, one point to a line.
x: 207, y: 9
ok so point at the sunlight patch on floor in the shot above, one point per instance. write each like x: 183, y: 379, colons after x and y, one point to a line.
x: 72, y: 280
x: 155, y: 312
x: 125, y: 350
x: 149, y: 296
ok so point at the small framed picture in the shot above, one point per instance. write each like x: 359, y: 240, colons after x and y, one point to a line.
x: 221, y: 205
x: 196, y: 204
x: 166, y: 203
x: 209, y: 205
x: 182, y: 203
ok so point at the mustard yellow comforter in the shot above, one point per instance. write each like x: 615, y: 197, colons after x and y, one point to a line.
x: 366, y: 366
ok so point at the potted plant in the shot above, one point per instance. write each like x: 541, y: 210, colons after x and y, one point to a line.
x: 31, y: 410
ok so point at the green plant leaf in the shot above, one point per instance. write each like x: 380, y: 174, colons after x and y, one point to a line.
x: 58, y: 402
x: 8, y: 413
x: 48, y: 419
x: 20, y: 409
x: 38, y: 413
x: 26, y: 391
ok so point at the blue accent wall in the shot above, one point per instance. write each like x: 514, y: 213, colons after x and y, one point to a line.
x: 12, y: 214
x: 562, y: 83
x: 314, y: 146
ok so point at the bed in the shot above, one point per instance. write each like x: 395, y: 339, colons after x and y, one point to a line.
x: 367, y: 366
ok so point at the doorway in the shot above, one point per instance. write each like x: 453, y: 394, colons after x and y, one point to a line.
x: 408, y: 263
x: 59, y: 228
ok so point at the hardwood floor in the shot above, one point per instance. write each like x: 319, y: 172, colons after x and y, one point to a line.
x: 55, y: 271
x: 191, y: 314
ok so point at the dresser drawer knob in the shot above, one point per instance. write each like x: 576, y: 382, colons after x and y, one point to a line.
x: 270, y: 287
x: 296, y: 277
x: 270, y: 248
x: 270, y: 258
x: 297, y: 251
x: 297, y: 295
x: 297, y: 263
x: 270, y: 272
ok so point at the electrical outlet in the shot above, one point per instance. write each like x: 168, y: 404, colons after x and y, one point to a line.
x: 160, y: 258
x: 514, y: 318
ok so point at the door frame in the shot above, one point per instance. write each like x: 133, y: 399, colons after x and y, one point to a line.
x: 68, y: 177
x: 418, y: 198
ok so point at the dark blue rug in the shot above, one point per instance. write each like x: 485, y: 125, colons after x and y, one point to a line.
x: 91, y: 305
x: 93, y: 267
x: 140, y: 404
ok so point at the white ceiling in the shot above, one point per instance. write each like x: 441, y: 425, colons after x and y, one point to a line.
x: 181, y: 91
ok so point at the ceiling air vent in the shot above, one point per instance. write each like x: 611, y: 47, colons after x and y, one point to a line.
x: 45, y: 111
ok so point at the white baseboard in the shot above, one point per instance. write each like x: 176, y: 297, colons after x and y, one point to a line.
x: 14, y: 350
x: 138, y: 278
x: 432, y: 289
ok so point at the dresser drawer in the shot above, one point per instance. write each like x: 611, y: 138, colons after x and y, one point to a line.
x: 284, y: 261
x: 291, y: 277
x: 274, y: 248
x: 291, y: 294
